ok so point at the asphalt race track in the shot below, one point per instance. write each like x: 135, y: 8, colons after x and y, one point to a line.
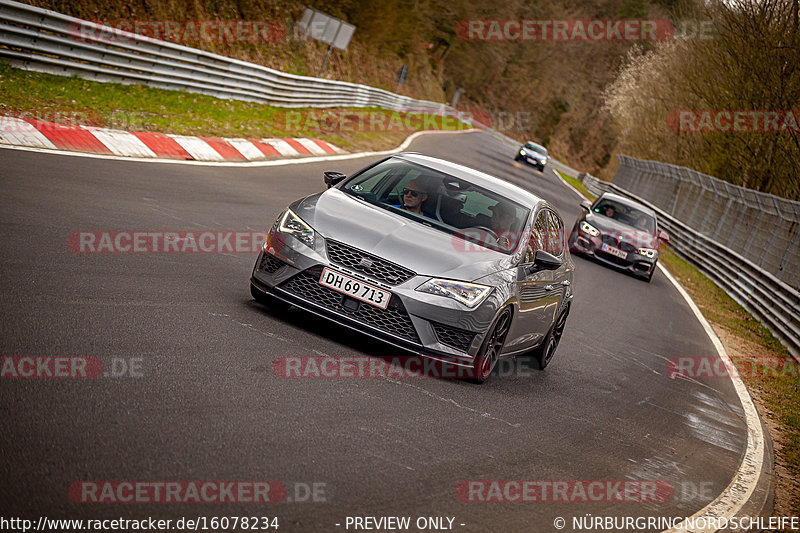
x: 205, y: 404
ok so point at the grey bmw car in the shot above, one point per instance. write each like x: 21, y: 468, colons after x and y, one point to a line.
x: 619, y: 232
x: 427, y: 255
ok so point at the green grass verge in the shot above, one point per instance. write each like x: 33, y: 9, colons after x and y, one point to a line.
x: 578, y: 185
x: 73, y: 100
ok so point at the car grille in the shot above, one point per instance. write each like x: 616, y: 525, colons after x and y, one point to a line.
x: 371, y: 265
x: 394, y: 319
x: 270, y: 264
x: 459, y: 339
x: 612, y: 258
x: 624, y: 246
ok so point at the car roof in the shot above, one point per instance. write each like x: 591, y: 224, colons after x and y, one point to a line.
x: 477, y: 177
x: 536, y: 144
x: 628, y: 202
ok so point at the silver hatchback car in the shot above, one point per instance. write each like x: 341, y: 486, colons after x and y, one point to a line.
x: 428, y: 255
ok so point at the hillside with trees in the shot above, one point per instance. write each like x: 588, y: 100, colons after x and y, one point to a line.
x: 587, y: 101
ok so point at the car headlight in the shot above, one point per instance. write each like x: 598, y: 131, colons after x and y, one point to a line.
x: 647, y: 252
x: 522, y: 152
x: 469, y: 294
x: 588, y: 228
x: 293, y: 225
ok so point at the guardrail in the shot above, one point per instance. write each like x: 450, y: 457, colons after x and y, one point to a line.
x: 38, y: 39
x: 770, y: 300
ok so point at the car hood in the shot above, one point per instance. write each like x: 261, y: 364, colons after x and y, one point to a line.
x: 622, y: 232
x: 427, y: 251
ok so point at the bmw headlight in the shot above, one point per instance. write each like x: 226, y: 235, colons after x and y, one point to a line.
x: 647, y: 252
x: 588, y: 228
x: 293, y: 225
x: 522, y: 152
x: 469, y: 294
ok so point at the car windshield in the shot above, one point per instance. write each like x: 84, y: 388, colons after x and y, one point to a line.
x: 536, y: 148
x: 474, y: 214
x: 625, y: 214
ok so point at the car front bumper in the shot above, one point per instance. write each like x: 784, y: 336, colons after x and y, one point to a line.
x: 426, y: 324
x: 532, y: 161
x: 635, y: 263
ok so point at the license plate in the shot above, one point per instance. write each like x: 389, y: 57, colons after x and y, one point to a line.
x: 614, y: 251
x: 356, y: 289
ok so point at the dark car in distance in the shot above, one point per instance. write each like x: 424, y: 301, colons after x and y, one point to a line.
x: 619, y: 232
x: 533, y: 154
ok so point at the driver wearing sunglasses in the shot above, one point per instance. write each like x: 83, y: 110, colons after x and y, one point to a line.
x: 412, y: 196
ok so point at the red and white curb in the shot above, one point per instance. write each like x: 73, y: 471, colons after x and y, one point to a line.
x: 88, y: 139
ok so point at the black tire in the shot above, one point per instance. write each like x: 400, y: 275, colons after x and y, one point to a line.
x: 269, y: 301
x: 486, y: 360
x: 543, y: 355
x: 516, y: 158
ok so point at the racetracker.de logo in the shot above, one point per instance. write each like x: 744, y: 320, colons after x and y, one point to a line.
x: 712, y: 367
x: 365, y: 367
x: 50, y: 367
x: 727, y: 121
x: 177, y: 492
x: 568, y: 491
x: 164, y: 242
x: 184, y: 31
x: 565, y: 30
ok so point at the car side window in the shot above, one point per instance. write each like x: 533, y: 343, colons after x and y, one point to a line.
x: 538, y: 236
x: 555, y: 234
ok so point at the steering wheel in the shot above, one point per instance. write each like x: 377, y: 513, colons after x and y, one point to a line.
x: 487, y: 229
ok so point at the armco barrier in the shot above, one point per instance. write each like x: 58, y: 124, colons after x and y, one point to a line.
x: 770, y: 300
x: 42, y: 40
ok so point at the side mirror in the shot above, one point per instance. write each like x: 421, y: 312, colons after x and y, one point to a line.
x: 544, y: 261
x: 663, y: 237
x: 587, y: 205
x: 332, y: 178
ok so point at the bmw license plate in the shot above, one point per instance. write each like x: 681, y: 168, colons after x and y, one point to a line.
x: 614, y: 251
x: 356, y: 289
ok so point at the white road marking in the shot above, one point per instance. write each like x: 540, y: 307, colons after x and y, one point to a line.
x: 16, y: 131
x: 311, y: 146
x: 243, y: 164
x: 281, y: 146
x: 121, y: 142
x: 197, y: 148
x: 247, y: 149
